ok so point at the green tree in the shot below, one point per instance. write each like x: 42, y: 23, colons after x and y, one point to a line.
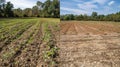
x: 47, y: 9
x: 79, y: 17
x: 50, y: 8
x: 18, y: 12
x: 55, y: 8
x: 8, y: 9
x: 27, y: 12
x: 100, y: 17
x: 39, y: 4
x: 1, y: 11
x: 35, y: 11
x: 94, y: 16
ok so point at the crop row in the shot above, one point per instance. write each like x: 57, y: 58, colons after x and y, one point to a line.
x: 15, y: 47
x: 14, y: 33
x: 28, y: 43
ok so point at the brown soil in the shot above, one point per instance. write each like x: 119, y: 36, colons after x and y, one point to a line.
x: 27, y: 50
x: 89, y: 45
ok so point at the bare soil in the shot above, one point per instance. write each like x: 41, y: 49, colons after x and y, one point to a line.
x: 89, y: 45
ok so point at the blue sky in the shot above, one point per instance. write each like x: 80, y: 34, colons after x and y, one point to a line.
x: 24, y: 3
x: 88, y: 6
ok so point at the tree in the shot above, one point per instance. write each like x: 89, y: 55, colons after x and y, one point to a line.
x: 1, y: 11
x: 47, y: 9
x: 94, y: 16
x: 85, y: 17
x: 40, y: 7
x: 2, y: 7
x: 79, y: 17
x: 66, y: 17
x: 100, y: 17
x: 6, y: 9
x: 35, y: 11
x: 39, y: 4
x: 50, y: 8
x: 18, y: 12
x: 27, y: 12
x: 56, y: 10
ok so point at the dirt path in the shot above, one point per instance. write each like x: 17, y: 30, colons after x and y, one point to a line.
x: 88, y: 50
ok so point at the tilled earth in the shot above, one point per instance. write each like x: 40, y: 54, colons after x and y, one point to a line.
x: 26, y: 44
x: 89, y: 45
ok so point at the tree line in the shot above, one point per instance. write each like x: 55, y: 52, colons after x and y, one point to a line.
x: 93, y: 17
x: 50, y: 8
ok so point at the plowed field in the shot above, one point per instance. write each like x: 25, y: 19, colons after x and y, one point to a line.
x: 89, y: 44
x: 21, y: 41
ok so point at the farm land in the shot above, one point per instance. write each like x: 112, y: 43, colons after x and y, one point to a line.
x: 89, y: 44
x: 28, y: 42
x: 48, y: 42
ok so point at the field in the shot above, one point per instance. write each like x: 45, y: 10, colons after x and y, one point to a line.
x: 27, y: 42
x: 45, y: 42
x: 89, y: 44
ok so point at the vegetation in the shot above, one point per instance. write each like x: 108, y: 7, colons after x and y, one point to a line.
x: 21, y: 37
x: 93, y: 17
x: 51, y: 49
x: 50, y: 8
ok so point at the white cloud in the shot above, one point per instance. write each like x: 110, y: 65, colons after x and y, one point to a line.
x: 24, y: 3
x: 87, y: 6
x: 100, y: 1
x: 111, y: 3
x: 90, y: 5
x: 78, y: 0
x: 42, y: 0
x: 107, y: 8
x: 92, y: 1
x: 75, y: 11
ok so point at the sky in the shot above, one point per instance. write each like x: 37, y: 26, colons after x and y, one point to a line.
x: 24, y: 3
x: 78, y: 7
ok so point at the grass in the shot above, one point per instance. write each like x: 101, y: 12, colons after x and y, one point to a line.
x: 17, y: 34
x: 51, y: 49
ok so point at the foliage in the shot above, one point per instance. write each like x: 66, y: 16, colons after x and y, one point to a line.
x: 50, y: 51
x: 94, y: 17
x: 50, y: 8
